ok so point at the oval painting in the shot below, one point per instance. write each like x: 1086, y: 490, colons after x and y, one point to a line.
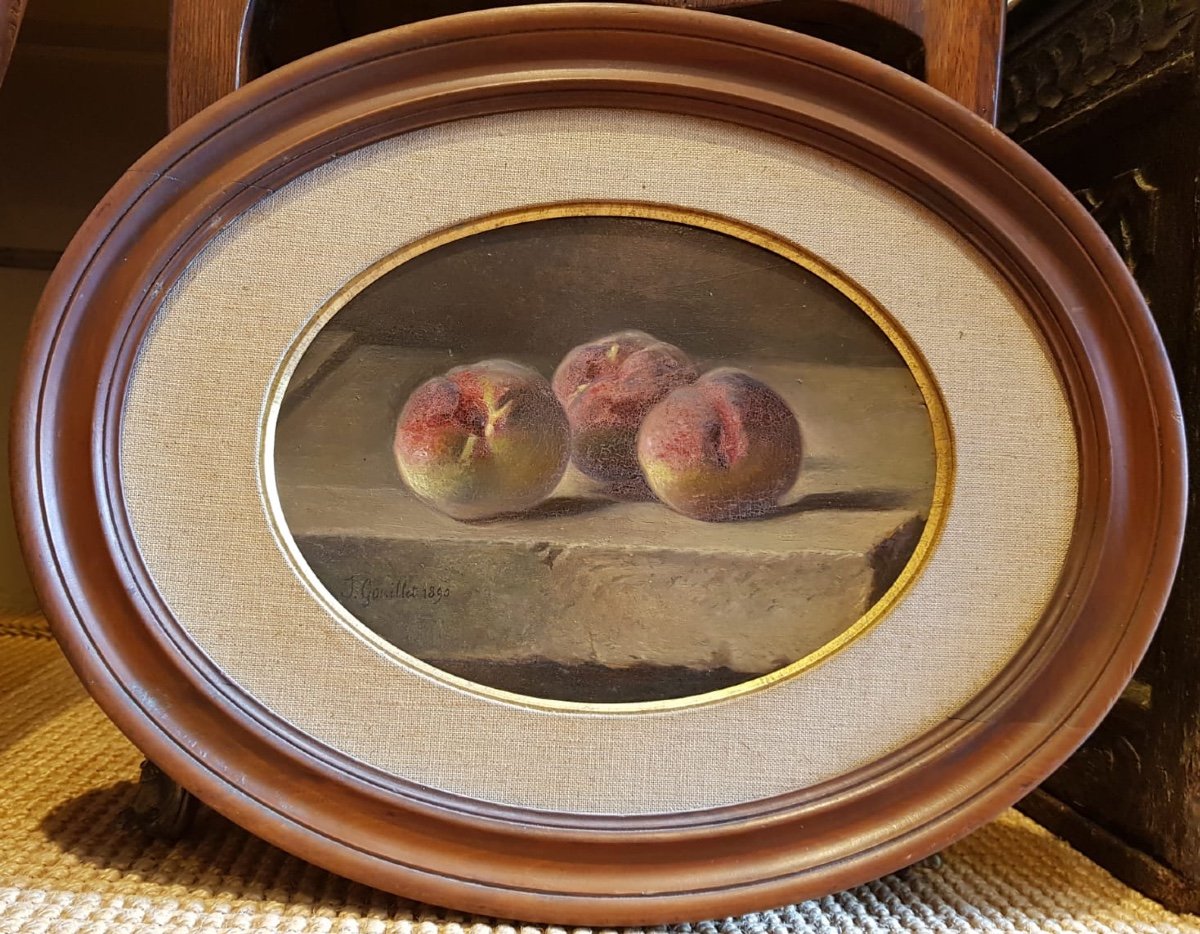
x: 609, y: 455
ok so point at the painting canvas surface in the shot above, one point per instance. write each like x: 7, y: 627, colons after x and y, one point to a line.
x: 605, y: 459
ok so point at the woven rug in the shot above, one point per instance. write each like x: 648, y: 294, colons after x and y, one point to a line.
x: 70, y: 862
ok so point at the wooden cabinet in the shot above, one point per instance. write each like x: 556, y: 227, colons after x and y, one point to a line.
x: 1104, y: 93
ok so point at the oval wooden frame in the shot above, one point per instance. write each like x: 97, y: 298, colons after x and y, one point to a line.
x: 280, y: 784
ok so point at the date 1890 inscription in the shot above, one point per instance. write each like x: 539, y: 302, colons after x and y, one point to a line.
x: 364, y: 590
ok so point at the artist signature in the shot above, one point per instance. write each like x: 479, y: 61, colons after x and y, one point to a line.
x: 367, y: 590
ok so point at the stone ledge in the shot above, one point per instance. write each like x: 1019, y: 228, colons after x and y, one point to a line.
x: 619, y: 604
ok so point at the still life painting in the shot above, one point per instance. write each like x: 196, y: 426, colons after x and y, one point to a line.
x: 609, y: 455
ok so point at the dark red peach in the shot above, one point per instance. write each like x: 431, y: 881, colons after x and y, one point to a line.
x: 606, y: 387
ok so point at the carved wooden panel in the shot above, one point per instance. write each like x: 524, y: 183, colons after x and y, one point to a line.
x: 1127, y: 209
x: 1103, y: 93
x: 1077, y: 55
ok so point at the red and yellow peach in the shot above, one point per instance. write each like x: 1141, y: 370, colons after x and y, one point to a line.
x: 725, y: 447
x: 483, y: 440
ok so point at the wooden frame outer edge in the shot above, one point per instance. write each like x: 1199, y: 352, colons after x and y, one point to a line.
x: 498, y: 860
x: 211, y: 43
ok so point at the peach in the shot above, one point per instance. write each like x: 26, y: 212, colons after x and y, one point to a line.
x: 607, y: 386
x: 725, y: 447
x: 482, y: 440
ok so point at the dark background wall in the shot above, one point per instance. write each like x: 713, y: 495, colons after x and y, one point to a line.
x: 544, y: 286
x: 84, y: 96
